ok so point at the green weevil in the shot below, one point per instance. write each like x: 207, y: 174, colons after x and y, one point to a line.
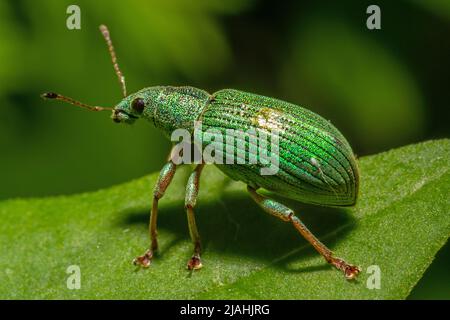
x: 316, y: 163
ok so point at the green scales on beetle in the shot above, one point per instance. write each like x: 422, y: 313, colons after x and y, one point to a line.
x: 316, y: 163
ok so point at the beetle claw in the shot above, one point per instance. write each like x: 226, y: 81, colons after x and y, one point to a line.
x: 194, y: 263
x: 350, y: 271
x: 145, y: 260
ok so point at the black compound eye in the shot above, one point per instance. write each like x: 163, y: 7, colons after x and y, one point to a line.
x: 138, y: 105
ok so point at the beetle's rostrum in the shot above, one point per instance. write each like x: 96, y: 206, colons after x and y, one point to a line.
x: 316, y: 163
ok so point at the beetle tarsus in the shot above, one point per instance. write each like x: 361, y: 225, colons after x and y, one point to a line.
x: 350, y: 271
x: 145, y: 260
x: 194, y: 263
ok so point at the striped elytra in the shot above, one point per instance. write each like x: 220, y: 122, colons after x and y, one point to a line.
x: 316, y: 163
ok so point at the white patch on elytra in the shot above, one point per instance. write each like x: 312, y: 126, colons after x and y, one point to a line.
x: 269, y: 119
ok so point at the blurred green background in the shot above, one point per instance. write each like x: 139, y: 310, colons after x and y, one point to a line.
x: 382, y: 88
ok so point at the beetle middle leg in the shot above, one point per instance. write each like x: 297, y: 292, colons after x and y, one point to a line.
x: 165, y: 177
x: 192, y: 188
x: 286, y: 214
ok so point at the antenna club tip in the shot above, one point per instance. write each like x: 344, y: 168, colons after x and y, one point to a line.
x: 103, y: 28
x: 49, y: 95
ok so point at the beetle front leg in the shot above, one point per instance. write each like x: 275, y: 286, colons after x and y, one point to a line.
x: 165, y: 177
x: 286, y: 214
x: 191, y: 199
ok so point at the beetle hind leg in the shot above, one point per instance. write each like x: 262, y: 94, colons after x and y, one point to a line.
x: 286, y: 214
x: 192, y: 188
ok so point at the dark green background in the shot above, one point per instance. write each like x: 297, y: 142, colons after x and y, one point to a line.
x: 382, y: 88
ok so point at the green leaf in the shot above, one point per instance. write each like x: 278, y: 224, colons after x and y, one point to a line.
x: 401, y: 220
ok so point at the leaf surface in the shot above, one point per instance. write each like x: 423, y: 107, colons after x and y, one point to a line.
x: 400, y: 222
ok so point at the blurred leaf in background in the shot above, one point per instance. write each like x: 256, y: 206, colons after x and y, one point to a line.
x: 438, y: 7
x: 340, y: 68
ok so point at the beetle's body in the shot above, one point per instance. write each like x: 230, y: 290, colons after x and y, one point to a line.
x: 330, y: 179
x: 316, y: 163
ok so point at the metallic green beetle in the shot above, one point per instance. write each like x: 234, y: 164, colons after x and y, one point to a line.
x: 316, y: 163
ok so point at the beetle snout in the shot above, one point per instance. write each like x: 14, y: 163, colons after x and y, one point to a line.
x: 119, y: 116
x: 116, y: 116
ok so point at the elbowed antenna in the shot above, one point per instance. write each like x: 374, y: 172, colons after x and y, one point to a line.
x: 56, y: 96
x: 105, y: 32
